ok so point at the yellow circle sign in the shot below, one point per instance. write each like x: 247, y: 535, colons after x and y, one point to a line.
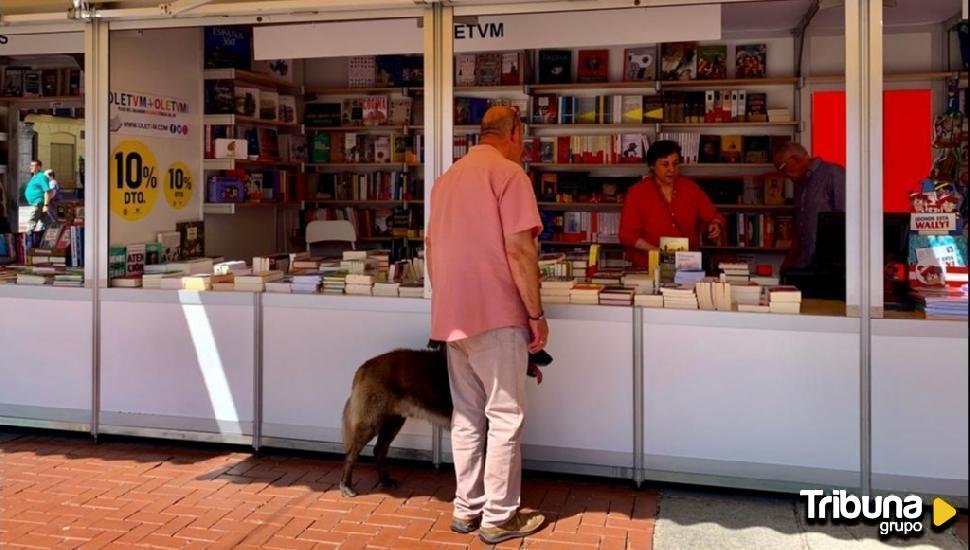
x: 133, y: 180
x: 178, y: 185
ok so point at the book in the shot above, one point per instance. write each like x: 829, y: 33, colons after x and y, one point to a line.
x: 220, y: 97
x: 374, y: 110
x: 751, y: 61
x: 320, y: 148
x: 585, y: 110
x: 352, y: 112
x: 247, y: 101
x: 32, y: 83
x: 731, y: 149
x: 545, y: 109
x: 555, y: 66
x: 640, y: 64
x: 269, y: 105
x: 323, y: 114
x: 287, y: 109
x: 135, y: 259
x: 710, y: 149
x: 191, y: 238
x: 13, y: 82
x: 712, y: 62
x: 228, y: 48
x: 464, y: 69
x: 633, y: 147
x: 511, y: 69
x: 171, y: 242
x: 361, y: 71
x: 593, y: 66
x: 280, y: 69
x: 632, y: 109
x: 678, y: 61
x: 488, y: 69
x: 756, y: 109
x: 400, y: 111
x: 756, y: 148
x: 117, y: 257
x: 268, y: 143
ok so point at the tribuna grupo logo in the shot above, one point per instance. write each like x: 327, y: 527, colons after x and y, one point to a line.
x: 895, y: 515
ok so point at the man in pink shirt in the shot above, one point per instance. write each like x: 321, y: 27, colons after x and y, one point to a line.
x: 483, y: 263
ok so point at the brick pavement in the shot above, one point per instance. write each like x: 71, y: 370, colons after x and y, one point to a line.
x: 65, y: 491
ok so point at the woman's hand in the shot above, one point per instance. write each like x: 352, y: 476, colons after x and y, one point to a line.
x: 714, y: 231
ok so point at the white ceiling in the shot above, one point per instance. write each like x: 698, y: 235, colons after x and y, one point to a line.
x: 763, y: 16
x: 784, y: 15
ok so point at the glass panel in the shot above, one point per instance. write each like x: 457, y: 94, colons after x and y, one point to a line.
x: 42, y: 169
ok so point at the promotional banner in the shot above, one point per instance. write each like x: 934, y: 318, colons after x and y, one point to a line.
x: 135, y: 113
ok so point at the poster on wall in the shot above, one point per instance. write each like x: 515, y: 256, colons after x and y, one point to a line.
x: 139, y: 114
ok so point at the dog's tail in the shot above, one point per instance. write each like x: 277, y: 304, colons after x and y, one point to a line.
x: 347, y: 428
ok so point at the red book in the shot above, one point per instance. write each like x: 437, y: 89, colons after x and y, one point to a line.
x: 593, y: 66
x: 562, y: 149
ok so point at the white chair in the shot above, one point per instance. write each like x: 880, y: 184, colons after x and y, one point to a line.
x: 330, y: 232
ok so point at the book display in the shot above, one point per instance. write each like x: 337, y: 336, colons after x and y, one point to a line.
x: 314, y: 136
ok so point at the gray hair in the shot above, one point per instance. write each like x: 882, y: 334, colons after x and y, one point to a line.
x: 499, y: 121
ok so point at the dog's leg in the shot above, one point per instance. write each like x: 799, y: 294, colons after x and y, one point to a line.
x: 356, y: 438
x: 385, y: 436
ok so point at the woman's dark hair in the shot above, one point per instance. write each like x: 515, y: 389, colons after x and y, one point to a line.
x: 661, y: 149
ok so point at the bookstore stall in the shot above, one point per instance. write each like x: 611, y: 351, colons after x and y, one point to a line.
x: 46, y: 324
x: 266, y: 196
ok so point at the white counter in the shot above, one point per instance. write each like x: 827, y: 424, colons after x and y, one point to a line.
x: 178, y: 361
x: 745, y: 399
x: 46, y: 356
x: 919, y: 407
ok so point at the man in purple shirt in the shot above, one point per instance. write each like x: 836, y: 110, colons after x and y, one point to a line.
x: 819, y: 187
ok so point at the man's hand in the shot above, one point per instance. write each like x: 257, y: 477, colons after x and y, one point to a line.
x: 539, y: 331
x: 44, y: 209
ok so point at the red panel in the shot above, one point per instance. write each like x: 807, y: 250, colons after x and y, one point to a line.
x: 828, y: 126
x: 907, y: 136
x: 907, y: 148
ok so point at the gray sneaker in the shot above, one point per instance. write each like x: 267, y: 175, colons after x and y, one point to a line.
x: 465, y: 526
x: 519, y: 525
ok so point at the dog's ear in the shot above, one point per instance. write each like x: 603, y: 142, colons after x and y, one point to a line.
x: 436, y: 345
x: 540, y: 358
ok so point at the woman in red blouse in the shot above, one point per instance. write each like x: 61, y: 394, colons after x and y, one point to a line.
x: 665, y: 205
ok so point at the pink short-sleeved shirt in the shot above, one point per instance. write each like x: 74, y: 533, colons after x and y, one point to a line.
x: 480, y: 200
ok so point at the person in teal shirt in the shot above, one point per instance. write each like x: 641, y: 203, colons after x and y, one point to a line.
x: 38, y: 194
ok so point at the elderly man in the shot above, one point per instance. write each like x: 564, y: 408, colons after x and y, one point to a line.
x: 482, y: 260
x: 819, y: 187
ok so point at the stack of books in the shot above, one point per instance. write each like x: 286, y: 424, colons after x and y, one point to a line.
x: 946, y: 304
x: 359, y: 284
x: 688, y: 277
x: 748, y: 294
x: 679, y: 297
x: 556, y: 290
x: 198, y: 283
x: 617, y: 295
x: 305, y: 283
x: 283, y: 286
x: 713, y: 295
x: 153, y: 279
x: 608, y: 278
x: 642, y: 280
x: 69, y: 278
x: 334, y: 282
x: 412, y: 290
x: 256, y: 282
x: 229, y: 268
x: 649, y: 299
x: 784, y: 299
x: 26, y: 278
x: 222, y: 282
x: 388, y: 290
x: 734, y: 272
x: 585, y: 293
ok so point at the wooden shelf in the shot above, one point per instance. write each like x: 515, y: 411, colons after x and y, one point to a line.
x: 365, y: 165
x: 630, y: 126
x: 359, y: 91
x: 753, y: 249
x: 591, y: 206
x: 643, y: 167
x: 231, y: 164
x: 645, y: 85
x: 374, y: 203
x: 234, y: 207
x: 255, y: 79
x: 754, y: 207
x: 726, y: 124
x: 518, y: 88
x: 233, y: 120
x: 732, y: 83
x: 891, y: 77
x: 358, y: 129
x: 43, y: 99
x: 577, y: 244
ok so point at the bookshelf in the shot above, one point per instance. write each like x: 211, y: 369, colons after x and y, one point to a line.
x: 7, y: 100
x: 254, y: 79
x: 578, y: 244
x: 313, y: 94
x: 788, y: 124
x: 233, y: 120
x: 728, y: 83
x: 235, y: 207
x: 233, y: 164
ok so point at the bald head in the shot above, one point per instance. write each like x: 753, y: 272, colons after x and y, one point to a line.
x: 499, y: 122
x: 792, y: 160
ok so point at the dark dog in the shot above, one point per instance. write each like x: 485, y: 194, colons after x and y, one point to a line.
x: 393, y: 387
